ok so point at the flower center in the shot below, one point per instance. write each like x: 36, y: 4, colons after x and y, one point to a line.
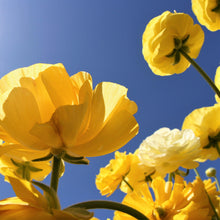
x: 179, y: 44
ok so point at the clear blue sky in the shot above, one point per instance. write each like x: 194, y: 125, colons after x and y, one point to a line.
x: 104, y: 38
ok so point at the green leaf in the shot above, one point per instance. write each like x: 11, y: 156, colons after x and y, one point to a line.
x: 50, y: 195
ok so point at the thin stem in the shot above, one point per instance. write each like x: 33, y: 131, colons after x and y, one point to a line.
x: 55, y: 173
x: 201, y: 71
x: 128, y: 184
x: 103, y: 204
x: 170, y: 177
x: 217, y: 183
x: 210, y: 201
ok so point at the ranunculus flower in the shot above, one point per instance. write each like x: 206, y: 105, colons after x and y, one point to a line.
x: 166, y: 150
x: 42, y: 108
x: 125, y: 172
x: 111, y: 176
x: 207, y: 13
x: 15, y: 161
x: 173, y: 201
x: 31, y: 204
x: 205, y: 122
x: 164, y: 36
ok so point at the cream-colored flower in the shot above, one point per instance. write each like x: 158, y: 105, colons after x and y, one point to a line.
x: 207, y: 13
x: 166, y: 150
x: 164, y: 37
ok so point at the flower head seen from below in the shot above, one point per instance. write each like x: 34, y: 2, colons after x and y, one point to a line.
x: 31, y: 204
x: 111, y: 176
x: 166, y: 150
x: 18, y: 162
x: 59, y: 113
x: 205, y: 122
x: 125, y: 172
x: 163, y: 39
x: 173, y: 201
x: 207, y: 13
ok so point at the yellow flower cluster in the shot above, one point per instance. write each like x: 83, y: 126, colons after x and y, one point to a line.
x: 170, y: 41
x: 172, y: 201
x: 46, y: 114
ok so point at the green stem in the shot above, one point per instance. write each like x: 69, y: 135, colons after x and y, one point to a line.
x: 170, y: 177
x: 103, y: 204
x: 210, y: 201
x: 217, y: 183
x: 201, y: 71
x: 55, y: 173
x: 131, y: 188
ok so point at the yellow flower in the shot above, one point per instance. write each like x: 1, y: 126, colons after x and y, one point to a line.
x: 43, y: 108
x: 205, y: 123
x: 180, y: 201
x: 166, y: 150
x: 18, y: 162
x: 164, y: 36
x: 30, y: 204
x: 207, y: 13
x: 111, y: 176
x: 125, y: 172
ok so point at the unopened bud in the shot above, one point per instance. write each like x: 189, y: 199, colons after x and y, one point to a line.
x: 210, y: 172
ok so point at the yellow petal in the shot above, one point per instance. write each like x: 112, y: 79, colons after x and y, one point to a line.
x: 108, y: 99
x: 36, y: 87
x: 20, y: 114
x: 48, y: 133
x: 68, y: 121
x: 121, y: 128
x: 59, y: 86
x: 26, y: 192
x: 80, y: 78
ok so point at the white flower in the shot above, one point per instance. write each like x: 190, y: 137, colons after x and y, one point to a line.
x: 166, y: 150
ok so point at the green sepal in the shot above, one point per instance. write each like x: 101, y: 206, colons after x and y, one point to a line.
x: 50, y: 195
x: 176, y: 58
x: 75, y: 160
x: 182, y: 173
x: 49, y: 156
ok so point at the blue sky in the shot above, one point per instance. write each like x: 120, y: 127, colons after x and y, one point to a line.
x: 104, y: 38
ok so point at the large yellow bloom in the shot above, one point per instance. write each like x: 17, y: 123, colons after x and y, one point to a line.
x: 43, y: 108
x: 30, y: 204
x: 205, y: 122
x: 164, y: 36
x: 180, y: 201
x: 207, y: 13
x: 166, y: 150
